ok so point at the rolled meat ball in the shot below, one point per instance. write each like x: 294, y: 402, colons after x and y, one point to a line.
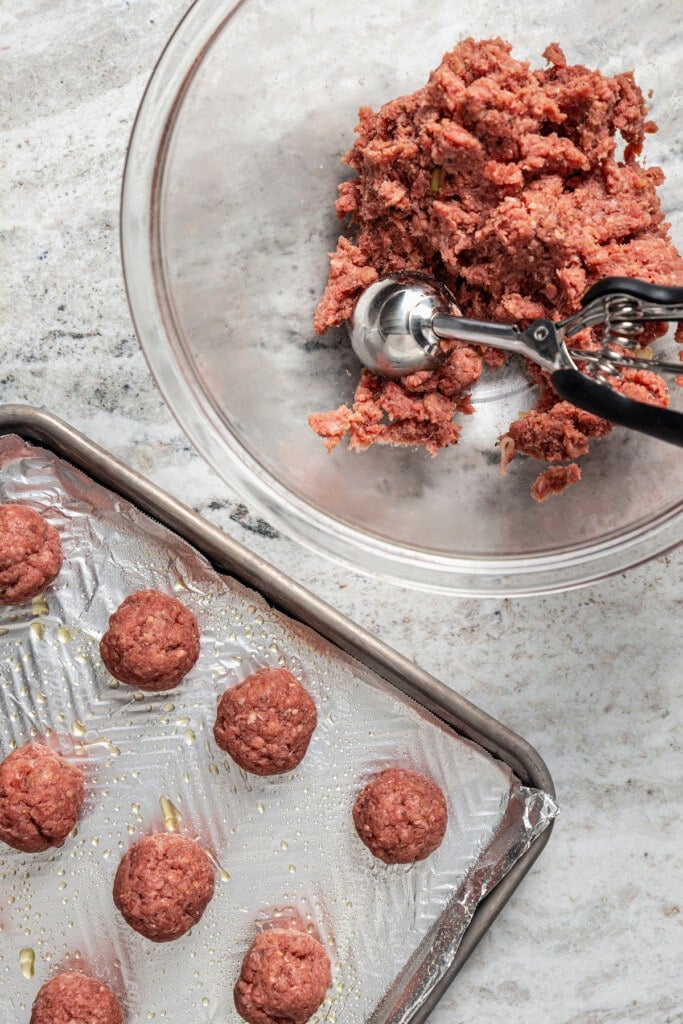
x: 152, y: 641
x: 30, y: 554
x: 41, y: 796
x: 76, y: 998
x: 266, y: 722
x: 163, y: 885
x: 401, y: 816
x: 284, y: 978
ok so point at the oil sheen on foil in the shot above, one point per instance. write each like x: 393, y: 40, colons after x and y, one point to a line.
x: 283, y: 847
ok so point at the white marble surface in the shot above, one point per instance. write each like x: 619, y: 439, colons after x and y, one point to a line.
x: 592, y: 679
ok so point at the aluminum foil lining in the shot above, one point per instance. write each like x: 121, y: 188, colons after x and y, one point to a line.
x: 284, y: 847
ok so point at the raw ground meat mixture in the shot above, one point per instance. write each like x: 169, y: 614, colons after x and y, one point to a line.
x: 401, y: 816
x: 30, y: 554
x: 554, y: 480
x: 76, y: 998
x: 266, y: 722
x: 505, y: 184
x: 152, y: 641
x: 284, y: 978
x: 163, y: 885
x: 41, y: 796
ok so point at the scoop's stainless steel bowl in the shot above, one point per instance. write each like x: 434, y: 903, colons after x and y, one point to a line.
x: 390, y: 330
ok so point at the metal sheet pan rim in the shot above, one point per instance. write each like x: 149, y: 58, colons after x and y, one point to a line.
x: 228, y: 555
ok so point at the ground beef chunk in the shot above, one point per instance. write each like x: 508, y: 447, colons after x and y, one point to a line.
x: 554, y: 480
x: 266, y: 722
x: 504, y: 183
x: 558, y: 434
x: 152, y: 641
x: 284, y: 978
x: 163, y: 885
x: 41, y: 796
x: 418, y: 409
x: 75, y: 998
x: 30, y: 554
x: 401, y: 816
x: 643, y: 386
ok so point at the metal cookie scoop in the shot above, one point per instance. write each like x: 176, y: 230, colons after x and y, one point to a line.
x: 397, y: 325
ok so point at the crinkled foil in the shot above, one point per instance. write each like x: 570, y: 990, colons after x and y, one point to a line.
x: 284, y: 847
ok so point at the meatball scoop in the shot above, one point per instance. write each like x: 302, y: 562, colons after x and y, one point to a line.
x: 401, y: 816
x: 152, y: 641
x: 266, y: 722
x: 30, y: 554
x: 41, y: 796
x: 163, y: 885
x: 284, y: 978
x: 75, y: 998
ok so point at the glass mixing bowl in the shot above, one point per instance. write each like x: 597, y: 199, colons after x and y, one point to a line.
x: 227, y: 217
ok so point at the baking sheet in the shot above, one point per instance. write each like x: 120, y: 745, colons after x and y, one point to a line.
x: 285, y: 846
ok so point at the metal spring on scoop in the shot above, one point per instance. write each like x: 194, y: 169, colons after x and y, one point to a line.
x: 622, y: 321
x: 622, y: 328
x: 603, y: 369
x: 624, y: 318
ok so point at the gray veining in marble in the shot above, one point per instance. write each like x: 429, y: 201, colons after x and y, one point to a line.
x: 593, y: 679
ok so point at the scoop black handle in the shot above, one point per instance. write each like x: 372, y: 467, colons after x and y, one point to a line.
x: 602, y: 400
x: 654, y: 294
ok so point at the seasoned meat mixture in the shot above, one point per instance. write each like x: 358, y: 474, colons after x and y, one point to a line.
x: 163, y: 885
x: 41, y: 796
x: 506, y: 184
x: 30, y: 554
x: 401, y: 816
x: 75, y: 998
x: 266, y: 722
x: 284, y: 978
x: 152, y: 641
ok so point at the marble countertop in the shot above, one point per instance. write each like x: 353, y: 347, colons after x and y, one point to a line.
x: 592, y: 678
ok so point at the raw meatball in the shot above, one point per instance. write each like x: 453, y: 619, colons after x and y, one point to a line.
x: 401, y: 816
x: 284, y: 978
x: 266, y: 722
x: 152, y: 641
x: 75, y: 998
x: 163, y: 885
x: 41, y: 796
x: 30, y: 554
